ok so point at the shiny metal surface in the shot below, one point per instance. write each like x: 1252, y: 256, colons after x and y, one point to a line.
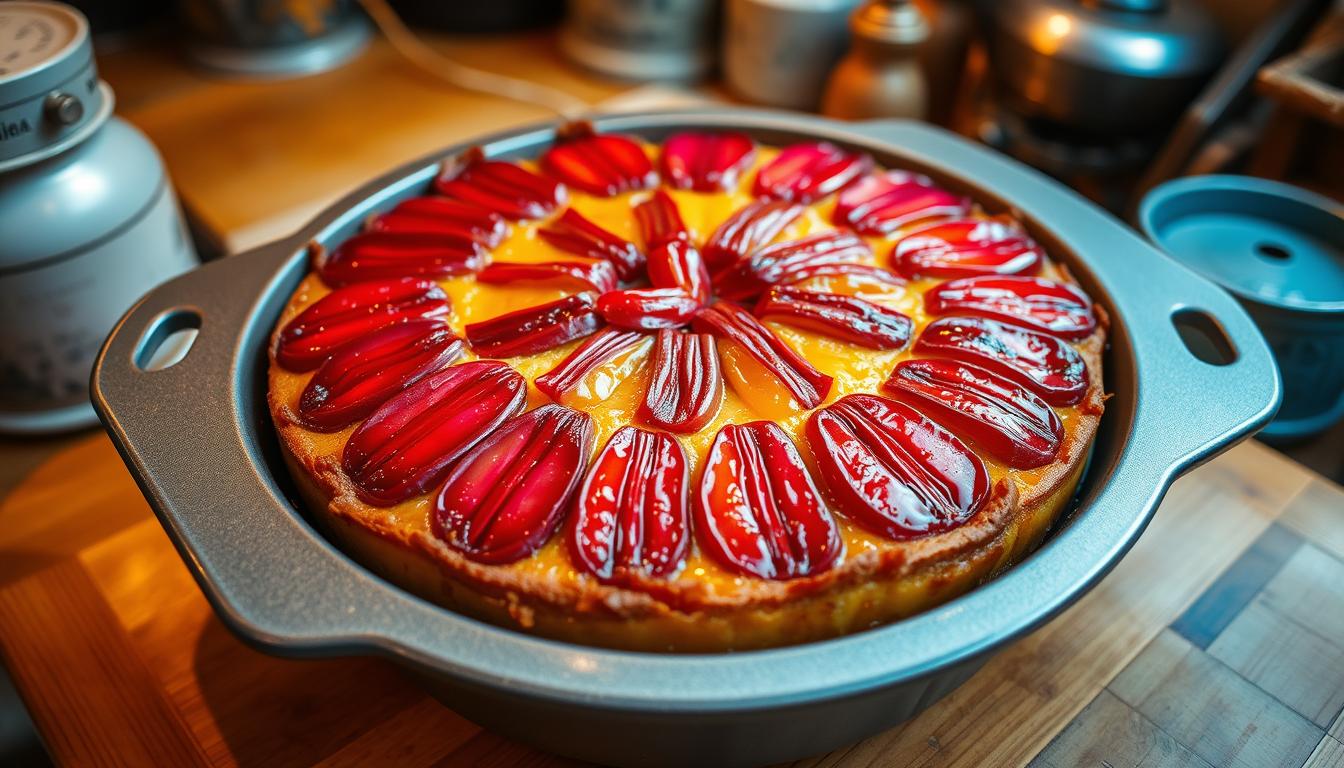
x: 197, y: 437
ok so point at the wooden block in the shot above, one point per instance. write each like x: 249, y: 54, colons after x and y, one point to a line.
x: 1108, y: 732
x: 90, y: 673
x: 1206, y: 706
x: 421, y: 734
x: 487, y: 750
x: 1239, y: 584
x: 1329, y: 754
x: 1318, y: 514
x: 1309, y: 588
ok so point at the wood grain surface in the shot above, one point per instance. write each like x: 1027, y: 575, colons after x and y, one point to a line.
x: 120, y: 658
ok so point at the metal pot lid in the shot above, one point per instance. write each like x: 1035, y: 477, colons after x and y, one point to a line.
x: 1140, y: 38
x: 50, y: 97
x: 1262, y: 240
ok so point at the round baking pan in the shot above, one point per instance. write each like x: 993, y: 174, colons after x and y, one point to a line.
x: 1280, y: 250
x: 197, y: 437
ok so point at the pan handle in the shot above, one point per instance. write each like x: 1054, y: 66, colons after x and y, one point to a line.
x: 1201, y: 373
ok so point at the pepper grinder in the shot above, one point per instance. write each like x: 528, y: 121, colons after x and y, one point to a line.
x: 881, y: 75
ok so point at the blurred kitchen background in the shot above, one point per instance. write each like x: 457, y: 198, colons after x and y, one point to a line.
x: 309, y: 99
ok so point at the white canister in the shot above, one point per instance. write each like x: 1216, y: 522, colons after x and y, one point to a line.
x: 88, y: 219
x: 780, y: 52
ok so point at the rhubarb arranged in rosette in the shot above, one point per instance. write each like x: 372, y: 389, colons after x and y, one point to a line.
x: 681, y: 372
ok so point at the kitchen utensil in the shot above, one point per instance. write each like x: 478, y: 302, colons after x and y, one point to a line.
x: 1280, y: 250
x: 267, y: 38
x: 1112, y: 67
x: 197, y: 437
x: 881, y: 76
x: 88, y: 220
x: 780, y: 52
x: 667, y: 40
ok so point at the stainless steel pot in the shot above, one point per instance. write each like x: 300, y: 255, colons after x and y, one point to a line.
x: 198, y: 439
x: 1110, y: 67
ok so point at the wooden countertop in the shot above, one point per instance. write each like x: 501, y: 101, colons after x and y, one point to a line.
x: 1219, y: 640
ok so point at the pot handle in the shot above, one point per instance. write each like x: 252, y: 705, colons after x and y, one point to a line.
x: 1200, y: 371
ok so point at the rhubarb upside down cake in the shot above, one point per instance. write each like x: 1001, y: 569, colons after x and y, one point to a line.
x: 697, y: 396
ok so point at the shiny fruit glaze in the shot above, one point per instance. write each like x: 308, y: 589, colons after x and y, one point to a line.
x: 616, y: 403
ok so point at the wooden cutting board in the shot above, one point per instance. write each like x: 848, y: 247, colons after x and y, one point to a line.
x: 1219, y: 640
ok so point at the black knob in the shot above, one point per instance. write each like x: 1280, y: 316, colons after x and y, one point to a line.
x: 63, y: 108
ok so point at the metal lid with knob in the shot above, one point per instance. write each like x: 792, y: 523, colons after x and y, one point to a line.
x: 50, y: 95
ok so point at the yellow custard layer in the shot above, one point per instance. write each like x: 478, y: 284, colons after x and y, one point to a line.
x: 612, y: 399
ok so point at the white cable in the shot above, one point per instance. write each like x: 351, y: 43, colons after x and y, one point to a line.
x: 405, y: 42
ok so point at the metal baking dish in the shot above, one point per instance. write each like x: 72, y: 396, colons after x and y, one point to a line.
x: 197, y: 437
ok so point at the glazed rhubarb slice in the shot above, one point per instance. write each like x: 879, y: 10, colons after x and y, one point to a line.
x: 408, y: 444
x: 659, y: 220
x: 593, y: 371
x: 678, y: 264
x: 892, y: 470
x: 387, y: 255
x: 535, y: 329
x: 347, y: 314
x: 601, y: 164
x: 647, y: 309
x: 363, y: 374
x: 686, y: 385
x: 789, y: 262
x: 1014, y: 425
x: 1031, y: 302
x: 966, y: 248
x: 732, y: 324
x: 631, y: 518
x: 573, y: 233
x: 757, y: 512
x: 443, y: 216
x: 843, y: 317
x: 706, y: 162
x: 507, y: 189
x: 1038, y: 361
x: 599, y: 275
x: 747, y: 230
x: 882, y: 203
x: 808, y: 172
x: 508, y: 494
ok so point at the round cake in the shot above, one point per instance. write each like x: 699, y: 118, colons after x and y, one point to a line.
x: 702, y: 396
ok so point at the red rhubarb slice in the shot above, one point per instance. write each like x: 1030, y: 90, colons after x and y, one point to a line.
x: 686, y: 385
x: 443, y: 216
x: 1014, y: 425
x: 572, y: 233
x: 747, y: 230
x: 407, y: 445
x: 363, y: 374
x: 659, y: 220
x: 593, y: 370
x: 966, y: 248
x: 790, y: 262
x: 600, y: 164
x: 535, y: 329
x: 843, y: 317
x: 599, y: 275
x: 757, y: 512
x: 892, y: 470
x: 349, y: 313
x: 1040, y: 362
x: 631, y: 516
x: 504, y: 188
x: 882, y: 203
x: 387, y: 255
x: 1031, y: 302
x: 678, y: 264
x: 808, y: 172
x: 647, y: 309
x: 508, y: 494
x: 706, y: 162
x: 735, y: 325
